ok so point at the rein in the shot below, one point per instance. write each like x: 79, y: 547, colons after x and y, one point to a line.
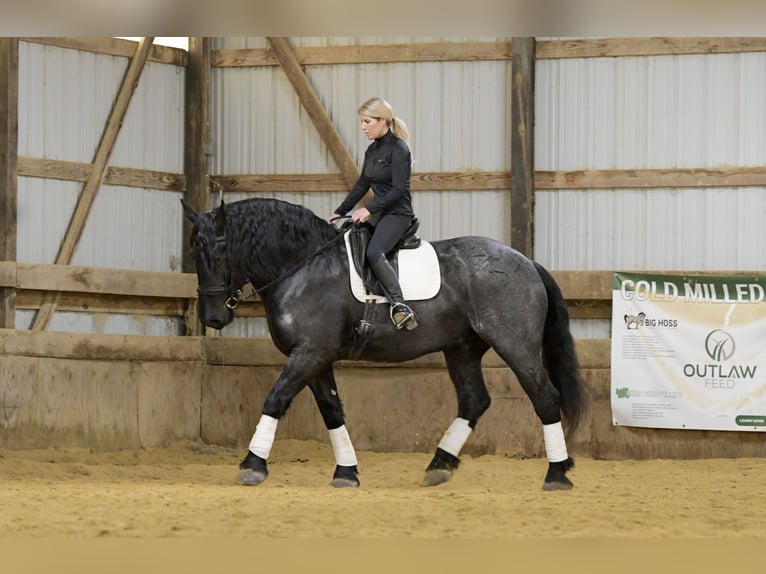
x: 235, y: 297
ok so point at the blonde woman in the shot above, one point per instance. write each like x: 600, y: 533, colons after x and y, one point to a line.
x: 386, y: 168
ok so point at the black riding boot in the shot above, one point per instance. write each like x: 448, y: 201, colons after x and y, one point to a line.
x: 401, y: 314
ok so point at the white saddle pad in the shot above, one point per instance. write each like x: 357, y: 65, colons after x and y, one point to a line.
x: 419, y: 274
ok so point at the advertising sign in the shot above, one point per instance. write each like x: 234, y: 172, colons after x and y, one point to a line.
x: 689, y: 352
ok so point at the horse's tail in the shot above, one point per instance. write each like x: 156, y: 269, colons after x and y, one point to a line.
x: 559, y: 354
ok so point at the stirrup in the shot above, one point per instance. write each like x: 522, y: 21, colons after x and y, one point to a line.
x: 403, y: 317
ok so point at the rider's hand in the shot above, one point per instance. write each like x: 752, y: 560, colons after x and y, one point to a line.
x: 360, y: 215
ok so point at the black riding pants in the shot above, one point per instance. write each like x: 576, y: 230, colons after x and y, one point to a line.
x: 386, y: 234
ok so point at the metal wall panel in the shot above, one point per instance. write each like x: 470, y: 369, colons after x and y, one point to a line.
x: 696, y: 111
x: 65, y: 97
x: 686, y: 111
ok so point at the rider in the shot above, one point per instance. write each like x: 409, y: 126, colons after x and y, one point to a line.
x: 386, y: 168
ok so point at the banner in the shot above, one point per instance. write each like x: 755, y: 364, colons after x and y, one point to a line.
x: 689, y: 352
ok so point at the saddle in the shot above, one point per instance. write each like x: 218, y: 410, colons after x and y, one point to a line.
x: 421, y: 278
x: 359, y: 237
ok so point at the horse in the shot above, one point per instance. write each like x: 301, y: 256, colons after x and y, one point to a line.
x: 491, y: 296
x: 635, y: 320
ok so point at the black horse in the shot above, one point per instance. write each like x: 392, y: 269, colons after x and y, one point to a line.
x: 490, y: 296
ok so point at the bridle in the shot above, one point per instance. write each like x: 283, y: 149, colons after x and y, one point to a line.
x: 235, y: 294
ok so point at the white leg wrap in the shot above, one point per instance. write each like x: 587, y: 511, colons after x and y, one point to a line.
x: 342, y: 447
x: 263, y: 438
x: 555, y: 446
x: 455, y: 437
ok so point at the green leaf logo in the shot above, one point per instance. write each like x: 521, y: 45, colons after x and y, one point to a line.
x: 623, y: 393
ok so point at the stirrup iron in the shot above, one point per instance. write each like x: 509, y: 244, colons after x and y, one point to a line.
x: 403, y: 317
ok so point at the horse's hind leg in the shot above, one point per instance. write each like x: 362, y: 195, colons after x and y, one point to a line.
x: 330, y: 406
x: 464, y: 366
x: 546, y: 401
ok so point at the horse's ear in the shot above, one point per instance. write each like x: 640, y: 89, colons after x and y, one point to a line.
x: 220, y: 220
x: 189, y: 213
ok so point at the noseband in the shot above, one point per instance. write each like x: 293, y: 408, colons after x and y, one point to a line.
x: 231, y: 301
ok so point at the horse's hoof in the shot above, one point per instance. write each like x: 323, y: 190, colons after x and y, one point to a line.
x: 441, y: 468
x: 556, y: 478
x: 345, y: 476
x: 344, y: 483
x: 436, y: 476
x: 564, y: 484
x: 250, y: 477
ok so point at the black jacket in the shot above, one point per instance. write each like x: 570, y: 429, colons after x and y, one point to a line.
x: 386, y: 168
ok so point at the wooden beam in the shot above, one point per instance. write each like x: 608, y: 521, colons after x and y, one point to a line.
x: 103, y: 347
x: 652, y: 178
x: 501, y: 180
x: 523, y: 145
x: 114, y: 47
x: 470, y: 180
x: 80, y: 279
x: 8, y: 274
x: 490, y: 51
x: 326, y: 182
x: 122, y: 176
x: 196, y: 154
x: 197, y: 133
x: 316, y: 111
x: 260, y: 351
x: 369, y: 54
x: 107, y: 304
x: 617, y: 47
x: 9, y: 113
x: 90, y: 190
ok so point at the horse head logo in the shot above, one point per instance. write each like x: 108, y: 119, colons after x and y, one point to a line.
x: 634, y: 321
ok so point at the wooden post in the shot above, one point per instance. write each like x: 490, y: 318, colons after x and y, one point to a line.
x: 97, y: 173
x: 197, y: 150
x: 315, y: 110
x: 523, y: 145
x: 9, y: 97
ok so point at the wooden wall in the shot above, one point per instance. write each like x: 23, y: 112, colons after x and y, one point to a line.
x: 110, y: 392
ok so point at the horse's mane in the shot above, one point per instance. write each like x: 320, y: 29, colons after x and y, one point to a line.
x: 273, y: 232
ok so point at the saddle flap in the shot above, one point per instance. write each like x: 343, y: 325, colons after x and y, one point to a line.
x: 358, y: 238
x: 418, y: 270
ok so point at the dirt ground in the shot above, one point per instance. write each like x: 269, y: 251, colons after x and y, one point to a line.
x: 189, y: 491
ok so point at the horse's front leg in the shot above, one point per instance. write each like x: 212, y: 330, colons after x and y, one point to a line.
x: 329, y: 403
x: 301, y: 367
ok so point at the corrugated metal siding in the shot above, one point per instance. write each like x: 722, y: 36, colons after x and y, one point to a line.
x: 65, y: 97
x: 651, y: 112
x: 687, y: 111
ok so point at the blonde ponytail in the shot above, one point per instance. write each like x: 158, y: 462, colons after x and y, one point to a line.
x: 400, y: 129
